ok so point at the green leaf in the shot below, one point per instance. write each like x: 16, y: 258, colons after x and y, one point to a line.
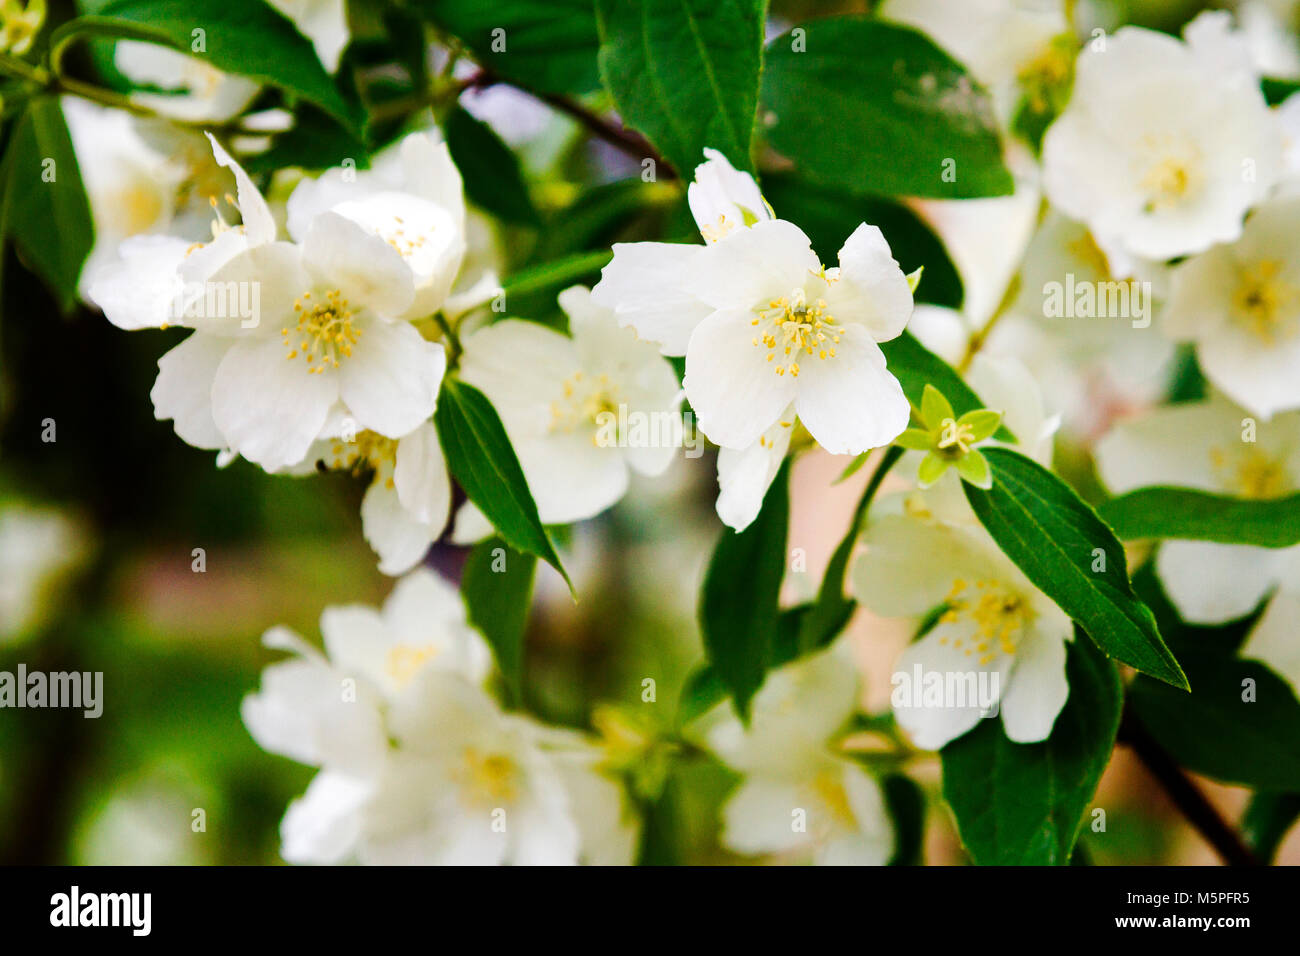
x: 490, y: 170
x: 561, y: 272
x: 1022, y: 804
x: 740, y: 598
x: 877, y: 108
x: 915, y: 367
x: 247, y: 37
x: 315, y: 142
x: 1267, y: 821
x: 685, y: 73
x: 48, y: 215
x: 1213, y: 731
x: 906, y: 803
x: 547, y: 45
x: 480, y: 457
x: 1160, y: 512
x: 1069, y: 554
x: 497, y: 583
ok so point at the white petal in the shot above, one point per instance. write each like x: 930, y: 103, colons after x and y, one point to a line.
x: 759, y: 817
x: 1036, y: 689
x: 269, y: 408
x: 1273, y: 640
x: 870, y: 289
x: 648, y: 285
x: 1212, y: 583
x: 324, y: 824
x: 939, y: 658
x: 183, y: 390
x: 748, y: 267
x: 722, y: 198
x: 570, y: 477
x: 259, y: 224
x: 733, y: 389
x: 744, y: 475
x: 390, y: 381
x: 139, y: 288
x: 397, y: 536
x: 420, y: 476
x: 344, y: 255
x: 851, y: 402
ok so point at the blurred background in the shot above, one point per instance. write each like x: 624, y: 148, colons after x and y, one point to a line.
x: 125, y: 551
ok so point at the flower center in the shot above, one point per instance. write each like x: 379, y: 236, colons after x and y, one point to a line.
x: 368, y: 452
x: 830, y: 788
x: 488, y: 778
x: 1262, y: 300
x: 1252, y: 474
x: 324, y: 330
x: 791, y: 326
x: 999, y: 615
x: 404, y: 661
x: 585, y: 401
x: 955, y: 439
x: 1173, y: 177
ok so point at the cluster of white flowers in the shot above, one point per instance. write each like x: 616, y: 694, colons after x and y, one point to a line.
x: 418, y: 762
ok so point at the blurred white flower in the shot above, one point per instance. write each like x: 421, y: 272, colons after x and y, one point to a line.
x: 1240, y: 305
x: 39, y: 547
x: 799, y: 795
x: 1214, y: 446
x: 419, y: 765
x: 324, y: 22
x: 997, y: 631
x: 1165, y: 145
x: 197, y: 92
x: 580, y: 411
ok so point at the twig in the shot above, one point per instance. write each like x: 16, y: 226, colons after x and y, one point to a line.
x: 1190, y: 801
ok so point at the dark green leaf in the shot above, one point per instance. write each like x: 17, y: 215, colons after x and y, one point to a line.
x: 685, y: 73
x: 915, y: 367
x: 247, y: 37
x: 1267, y: 821
x: 739, y: 601
x: 1069, y: 554
x: 547, y: 45
x: 561, y: 272
x: 906, y: 804
x: 1214, y: 731
x: 1160, y: 512
x: 480, y: 457
x: 491, y: 172
x: 497, y: 583
x: 48, y: 214
x: 1022, y: 804
x: 877, y: 108
x: 829, y: 215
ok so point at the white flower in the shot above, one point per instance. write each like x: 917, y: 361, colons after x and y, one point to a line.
x: 723, y: 199
x: 745, y: 474
x: 580, y: 411
x: 999, y: 633
x: 798, y: 794
x: 324, y: 22
x: 1164, y: 146
x: 412, y: 199
x: 197, y: 91
x: 39, y: 547
x: 1211, y: 446
x: 1240, y: 304
x: 418, y: 763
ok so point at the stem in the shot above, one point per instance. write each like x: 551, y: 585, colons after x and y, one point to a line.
x: 630, y: 142
x: 1190, y: 801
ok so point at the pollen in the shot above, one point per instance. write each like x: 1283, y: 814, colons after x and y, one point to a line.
x: 585, y: 402
x: 1172, y: 177
x: 404, y: 662
x: 1264, y: 303
x: 368, y: 452
x: 791, y: 328
x: 1251, y: 474
x: 324, y: 333
x: 999, y: 615
x: 488, y: 778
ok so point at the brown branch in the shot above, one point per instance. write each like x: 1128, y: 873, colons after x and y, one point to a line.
x: 627, y: 140
x: 1190, y: 801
